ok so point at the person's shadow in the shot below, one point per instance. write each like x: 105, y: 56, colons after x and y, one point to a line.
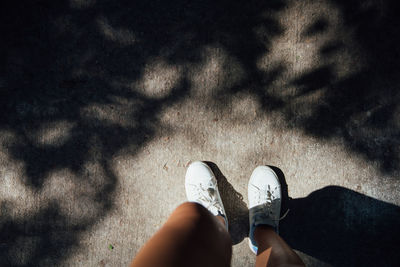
x: 334, y: 224
x: 344, y: 228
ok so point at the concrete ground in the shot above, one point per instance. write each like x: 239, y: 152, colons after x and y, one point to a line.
x: 105, y: 103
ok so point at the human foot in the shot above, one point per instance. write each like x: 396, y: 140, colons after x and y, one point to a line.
x: 201, y: 187
x: 264, y: 192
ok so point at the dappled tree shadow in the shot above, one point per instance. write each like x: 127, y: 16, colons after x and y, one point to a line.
x: 73, y: 94
x: 360, y: 107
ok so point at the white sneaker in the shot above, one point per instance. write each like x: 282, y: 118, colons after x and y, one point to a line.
x: 264, y: 201
x: 201, y: 187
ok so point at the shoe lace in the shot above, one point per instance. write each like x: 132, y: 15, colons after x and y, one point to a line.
x: 266, y: 195
x: 208, y: 196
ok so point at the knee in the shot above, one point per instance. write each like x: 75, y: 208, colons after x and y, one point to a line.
x: 203, y: 220
x: 194, y: 214
x: 194, y: 209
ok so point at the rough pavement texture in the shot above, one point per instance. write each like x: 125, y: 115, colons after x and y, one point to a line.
x: 104, y: 103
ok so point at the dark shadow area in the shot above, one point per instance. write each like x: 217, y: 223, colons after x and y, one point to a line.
x: 341, y: 227
x: 331, y: 48
x: 318, y: 26
x: 235, y: 208
x: 284, y: 190
x: 344, y: 228
x: 314, y: 80
x: 45, y: 233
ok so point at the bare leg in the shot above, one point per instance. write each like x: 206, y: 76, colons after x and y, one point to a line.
x: 192, y: 236
x: 273, y: 250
